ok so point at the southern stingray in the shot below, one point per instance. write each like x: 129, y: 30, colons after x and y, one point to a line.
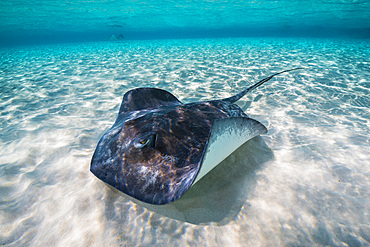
x: 159, y: 147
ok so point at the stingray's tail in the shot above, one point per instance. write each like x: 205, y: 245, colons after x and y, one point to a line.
x: 236, y: 97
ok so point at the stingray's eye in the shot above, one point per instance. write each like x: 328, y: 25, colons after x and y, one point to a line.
x: 148, y: 141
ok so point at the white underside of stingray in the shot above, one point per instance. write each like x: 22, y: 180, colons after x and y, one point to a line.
x: 227, y: 135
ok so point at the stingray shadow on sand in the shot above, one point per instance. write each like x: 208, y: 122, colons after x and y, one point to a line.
x: 219, y: 197
x: 159, y: 148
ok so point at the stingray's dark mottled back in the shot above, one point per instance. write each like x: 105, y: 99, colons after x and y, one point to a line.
x: 163, y: 171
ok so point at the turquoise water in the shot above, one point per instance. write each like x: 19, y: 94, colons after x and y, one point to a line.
x: 62, y: 78
x: 304, y: 183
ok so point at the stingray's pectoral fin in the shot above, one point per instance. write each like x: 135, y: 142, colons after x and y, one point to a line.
x: 227, y: 135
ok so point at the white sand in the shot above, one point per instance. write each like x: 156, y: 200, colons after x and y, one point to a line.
x: 304, y: 183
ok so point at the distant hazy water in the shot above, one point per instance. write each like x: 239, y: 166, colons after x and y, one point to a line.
x: 40, y: 22
x: 306, y: 182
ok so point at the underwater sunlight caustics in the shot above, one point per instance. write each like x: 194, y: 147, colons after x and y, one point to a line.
x: 306, y: 182
x: 159, y: 147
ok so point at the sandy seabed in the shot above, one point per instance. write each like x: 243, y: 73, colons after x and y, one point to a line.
x: 306, y: 182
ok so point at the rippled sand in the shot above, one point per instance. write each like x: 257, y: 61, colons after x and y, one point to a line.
x: 304, y: 183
